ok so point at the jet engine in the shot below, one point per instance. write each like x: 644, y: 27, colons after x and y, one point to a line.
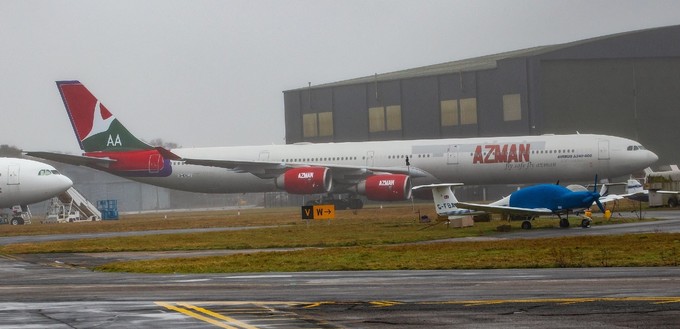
x: 306, y: 180
x: 389, y: 187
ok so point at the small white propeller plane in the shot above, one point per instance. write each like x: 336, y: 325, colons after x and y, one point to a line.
x: 527, y: 203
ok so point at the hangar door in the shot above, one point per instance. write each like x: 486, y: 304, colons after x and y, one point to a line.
x: 632, y: 98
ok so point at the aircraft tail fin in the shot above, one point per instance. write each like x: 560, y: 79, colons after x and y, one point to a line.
x: 633, y: 186
x: 95, y: 127
x: 444, y: 198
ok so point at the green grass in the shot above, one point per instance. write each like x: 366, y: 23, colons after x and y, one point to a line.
x: 368, y: 239
x: 653, y: 249
x: 338, y: 233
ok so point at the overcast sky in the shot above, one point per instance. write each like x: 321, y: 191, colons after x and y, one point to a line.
x: 212, y: 73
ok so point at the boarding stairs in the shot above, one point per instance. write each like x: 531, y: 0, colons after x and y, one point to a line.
x: 76, y: 201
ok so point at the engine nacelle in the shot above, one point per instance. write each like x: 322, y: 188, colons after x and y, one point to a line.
x: 393, y: 187
x: 306, y: 180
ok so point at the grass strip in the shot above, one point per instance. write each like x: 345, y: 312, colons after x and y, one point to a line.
x: 652, y: 249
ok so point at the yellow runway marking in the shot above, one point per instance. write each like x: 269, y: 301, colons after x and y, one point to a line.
x: 384, y: 303
x: 231, y: 320
x: 268, y: 314
x: 195, y: 315
x: 263, y: 313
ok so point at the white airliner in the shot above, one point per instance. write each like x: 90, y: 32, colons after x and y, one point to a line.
x: 381, y: 171
x: 23, y: 182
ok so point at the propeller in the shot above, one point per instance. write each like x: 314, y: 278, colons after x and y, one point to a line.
x: 596, y: 196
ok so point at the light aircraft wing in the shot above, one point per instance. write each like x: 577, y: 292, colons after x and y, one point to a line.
x: 437, y: 185
x: 612, y: 197
x: 76, y: 160
x: 505, y: 209
x: 269, y: 169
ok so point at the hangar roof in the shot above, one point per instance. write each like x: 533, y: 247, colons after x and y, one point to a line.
x: 466, y: 65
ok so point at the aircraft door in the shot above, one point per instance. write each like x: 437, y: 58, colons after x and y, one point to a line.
x: 370, y: 156
x: 13, y: 174
x: 603, y: 150
x: 452, y: 154
x: 154, y: 163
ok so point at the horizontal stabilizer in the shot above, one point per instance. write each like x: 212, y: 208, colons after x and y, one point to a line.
x: 76, y: 160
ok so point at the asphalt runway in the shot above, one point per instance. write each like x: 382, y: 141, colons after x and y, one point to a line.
x: 50, y: 292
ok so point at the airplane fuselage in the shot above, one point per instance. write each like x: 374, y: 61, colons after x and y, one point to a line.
x: 472, y: 161
x: 23, y: 182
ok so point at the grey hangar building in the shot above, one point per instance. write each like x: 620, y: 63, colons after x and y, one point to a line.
x: 626, y: 84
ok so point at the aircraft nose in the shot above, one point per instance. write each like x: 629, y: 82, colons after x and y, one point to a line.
x: 653, y: 157
x: 64, y: 183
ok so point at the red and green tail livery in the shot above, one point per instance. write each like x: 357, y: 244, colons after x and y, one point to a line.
x: 102, y: 136
x: 96, y: 128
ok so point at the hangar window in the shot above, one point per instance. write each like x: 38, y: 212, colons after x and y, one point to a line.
x: 449, y: 112
x: 386, y: 118
x: 326, y: 124
x: 393, y: 117
x: 376, y: 119
x: 512, y: 107
x: 317, y: 124
x: 309, y: 125
x: 468, y: 111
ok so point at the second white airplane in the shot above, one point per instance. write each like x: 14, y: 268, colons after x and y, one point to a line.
x: 23, y: 182
x: 381, y: 171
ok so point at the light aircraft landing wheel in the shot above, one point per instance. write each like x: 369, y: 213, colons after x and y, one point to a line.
x: 564, y: 223
x: 526, y: 225
x: 585, y: 223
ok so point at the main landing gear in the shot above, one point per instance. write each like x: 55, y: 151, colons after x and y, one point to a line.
x: 526, y: 220
x: 352, y: 202
x: 585, y: 222
x: 564, y: 222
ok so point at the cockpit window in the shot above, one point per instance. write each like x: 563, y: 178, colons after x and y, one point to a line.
x: 635, y: 147
x: 47, y: 172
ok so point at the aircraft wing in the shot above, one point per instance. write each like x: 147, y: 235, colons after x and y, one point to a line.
x: 437, y: 185
x: 612, y: 197
x: 668, y: 192
x: 505, y: 209
x: 269, y: 169
x: 76, y: 160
